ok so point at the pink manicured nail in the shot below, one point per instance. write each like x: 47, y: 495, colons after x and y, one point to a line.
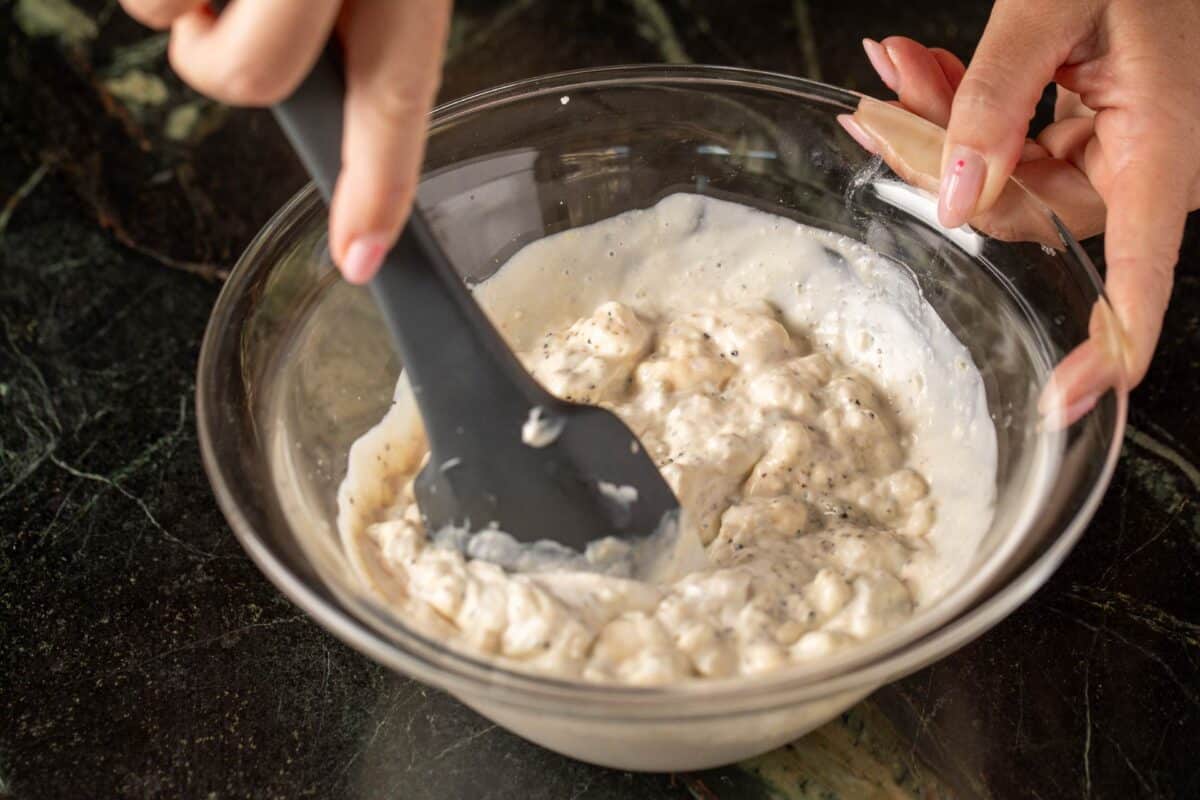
x: 851, y: 126
x: 363, y: 258
x: 877, y: 54
x: 962, y: 182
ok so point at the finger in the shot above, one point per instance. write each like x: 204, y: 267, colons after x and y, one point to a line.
x: 255, y: 53
x: 858, y: 134
x: 912, y: 147
x: 952, y: 67
x: 393, y: 64
x: 1067, y: 139
x: 998, y: 95
x: 1032, y: 151
x: 1087, y: 365
x: 1148, y: 204
x: 159, y: 14
x: 921, y: 84
x: 1068, y: 104
x: 1097, y: 166
x: 882, y: 63
x: 1067, y: 191
x: 1090, y: 78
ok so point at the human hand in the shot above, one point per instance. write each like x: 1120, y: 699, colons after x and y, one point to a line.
x: 257, y: 53
x: 1120, y: 155
x: 912, y: 146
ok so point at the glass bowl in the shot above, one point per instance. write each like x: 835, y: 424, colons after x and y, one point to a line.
x: 296, y: 365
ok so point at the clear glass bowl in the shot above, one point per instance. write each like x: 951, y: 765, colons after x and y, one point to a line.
x: 296, y: 365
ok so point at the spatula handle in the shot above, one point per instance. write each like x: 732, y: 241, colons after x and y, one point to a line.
x: 458, y: 365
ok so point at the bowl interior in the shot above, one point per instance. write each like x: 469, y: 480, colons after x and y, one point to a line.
x: 298, y: 365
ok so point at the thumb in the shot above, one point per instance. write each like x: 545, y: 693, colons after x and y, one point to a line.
x: 1022, y: 46
x: 393, y: 53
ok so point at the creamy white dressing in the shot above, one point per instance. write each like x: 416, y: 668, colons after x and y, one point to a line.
x: 826, y: 434
x: 539, y: 430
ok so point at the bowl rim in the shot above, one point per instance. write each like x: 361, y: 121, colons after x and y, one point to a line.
x: 462, y: 674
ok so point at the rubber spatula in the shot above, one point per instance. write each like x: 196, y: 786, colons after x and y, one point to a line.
x: 591, y: 481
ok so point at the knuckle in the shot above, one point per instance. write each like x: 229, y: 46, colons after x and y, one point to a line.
x: 984, y: 89
x: 386, y: 200
x: 236, y: 82
x: 1154, y: 267
x: 177, y: 57
x: 156, y: 14
x: 232, y: 77
x: 250, y: 84
x: 401, y: 104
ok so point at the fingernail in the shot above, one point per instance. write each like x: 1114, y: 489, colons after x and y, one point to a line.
x: 363, y: 258
x: 962, y: 182
x: 851, y: 126
x: 877, y: 54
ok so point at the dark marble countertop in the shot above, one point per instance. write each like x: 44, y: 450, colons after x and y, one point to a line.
x: 143, y: 655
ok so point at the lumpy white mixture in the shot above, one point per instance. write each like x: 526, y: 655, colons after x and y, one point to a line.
x: 827, y: 436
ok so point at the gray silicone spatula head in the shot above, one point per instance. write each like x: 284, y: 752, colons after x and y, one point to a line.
x: 504, y: 453
x: 584, y: 479
x: 593, y: 481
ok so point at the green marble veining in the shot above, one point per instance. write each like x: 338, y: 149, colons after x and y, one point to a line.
x: 655, y: 26
x: 806, y: 39
x: 468, y: 31
x: 136, y: 89
x: 143, y: 655
x: 58, y: 18
x: 20, y: 194
x: 1182, y: 497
